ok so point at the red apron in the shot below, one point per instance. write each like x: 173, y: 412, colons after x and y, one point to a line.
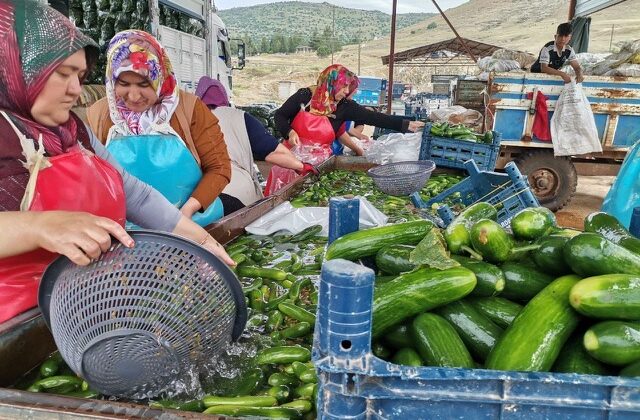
x: 313, y: 130
x: 75, y: 181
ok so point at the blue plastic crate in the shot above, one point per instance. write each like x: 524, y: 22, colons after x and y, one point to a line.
x: 451, y: 153
x: 354, y: 384
x: 511, y: 190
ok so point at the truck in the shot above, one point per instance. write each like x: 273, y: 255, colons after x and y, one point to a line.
x: 198, y: 43
x: 371, y: 91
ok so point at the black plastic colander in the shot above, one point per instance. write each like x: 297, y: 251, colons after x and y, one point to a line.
x: 132, y: 320
x: 402, y: 178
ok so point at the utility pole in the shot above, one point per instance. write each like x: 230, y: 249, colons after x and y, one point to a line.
x: 333, y: 31
x: 611, y: 40
x: 392, y: 51
x: 359, y: 48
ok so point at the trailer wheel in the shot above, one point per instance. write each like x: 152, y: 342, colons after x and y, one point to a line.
x: 552, y: 179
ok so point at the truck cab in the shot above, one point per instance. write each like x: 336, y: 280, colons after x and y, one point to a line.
x: 371, y: 91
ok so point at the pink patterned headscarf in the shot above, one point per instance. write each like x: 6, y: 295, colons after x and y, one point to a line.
x: 330, y: 81
x: 139, y: 52
x: 34, y: 40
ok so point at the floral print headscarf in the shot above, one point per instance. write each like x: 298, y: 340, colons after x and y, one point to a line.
x: 330, y: 81
x: 139, y: 52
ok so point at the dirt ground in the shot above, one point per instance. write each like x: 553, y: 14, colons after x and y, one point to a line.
x: 588, y: 198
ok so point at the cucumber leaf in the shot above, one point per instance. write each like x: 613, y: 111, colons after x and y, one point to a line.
x: 432, y: 251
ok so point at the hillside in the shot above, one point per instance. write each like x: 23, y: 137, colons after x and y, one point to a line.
x: 516, y: 24
x: 296, y: 18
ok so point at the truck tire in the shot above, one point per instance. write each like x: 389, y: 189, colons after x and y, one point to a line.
x: 553, y: 180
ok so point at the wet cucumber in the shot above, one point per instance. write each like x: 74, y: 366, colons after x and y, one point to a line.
x: 522, y: 282
x: 398, y: 337
x: 264, y: 412
x: 438, y: 343
x: 478, y: 333
x: 614, y: 342
x: 498, y: 309
x: 490, y: 279
x: 407, y: 357
x: 491, y: 241
x: 394, y: 259
x: 536, y: 336
x: 416, y: 292
x: 532, y: 223
x: 549, y: 258
x: 573, y: 358
x: 612, y: 296
x: 368, y: 242
x: 589, y: 254
x: 457, y: 233
x: 609, y: 227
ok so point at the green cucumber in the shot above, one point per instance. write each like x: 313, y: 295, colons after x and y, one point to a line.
x: 491, y: 241
x: 251, y: 401
x: 573, y: 358
x: 478, y: 333
x: 379, y: 350
x: 305, y: 390
x: 282, y: 355
x: 265, y: 273
x: 193, y: 405
x: 279, y: 392
x: 56, y: 381
x: 589, y: 254
x: 306, y: 234
x: 609, y: 227
x: 49, y: 368
x: 612, y: 296
x: 368, y: 242
x: 457, y: 233
x: 298, y: 330
x: 532, y: 223
x: 438, y: 343
x: 498, y: 309
x: 631, y: 370
x: 303, y: 406
x: 550, y: 256
x: 614, y: 342
x: 279, y: 378
x: 536, y: 336
x: 398, y: 337
x: 490, y: 280
x: 408, y: 357
x: 264, y: 412
x: 394, y: 259
x: 416, y: 292
x: 297, y: 313
x: 522, y: 282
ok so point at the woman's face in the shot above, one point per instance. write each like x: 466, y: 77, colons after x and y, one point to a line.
x: 61, y: 91
x: 136, y: 91
x: 342, y: 93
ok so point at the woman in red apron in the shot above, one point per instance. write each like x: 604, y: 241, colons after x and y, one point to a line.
x: 59, y: 193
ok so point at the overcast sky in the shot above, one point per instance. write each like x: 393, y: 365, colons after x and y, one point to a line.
x: 404, y: 6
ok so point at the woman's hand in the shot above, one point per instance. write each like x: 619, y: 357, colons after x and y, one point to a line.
x: 190, y: 207
x: 191, y: 230
x: 415, y: 125
x: 81, y: 237
x: 294, y: 139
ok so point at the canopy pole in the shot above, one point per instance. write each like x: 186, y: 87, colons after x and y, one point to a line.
x: 392, y: 51
x: 464, y: 44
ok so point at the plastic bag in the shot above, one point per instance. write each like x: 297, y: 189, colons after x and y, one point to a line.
x: 287, y: 218
x: 498, y: 65
x: 279, y: 176
x: 458, y: 115
x: 573, y: 128
x: 624, y: 194
x: 394, y: 147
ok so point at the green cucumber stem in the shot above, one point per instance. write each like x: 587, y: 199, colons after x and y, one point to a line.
x: 525, y: 248
x: 471, y: 252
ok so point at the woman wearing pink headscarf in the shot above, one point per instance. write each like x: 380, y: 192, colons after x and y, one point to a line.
x: 317, y: 114
x: 247, y: 140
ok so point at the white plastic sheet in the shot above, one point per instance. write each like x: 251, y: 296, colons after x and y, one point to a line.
x: 395, y: 147
x: 288, y: 219
x: 573, y: 128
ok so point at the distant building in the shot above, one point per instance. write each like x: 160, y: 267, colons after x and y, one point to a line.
x: 304, y: 49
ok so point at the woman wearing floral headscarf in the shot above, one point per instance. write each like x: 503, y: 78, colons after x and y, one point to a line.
x: 316, y: 115
x: 159, y: 133
x: 60, y: 191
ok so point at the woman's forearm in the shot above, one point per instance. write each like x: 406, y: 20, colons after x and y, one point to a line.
x: 18, y: 236
x: 284, y: 158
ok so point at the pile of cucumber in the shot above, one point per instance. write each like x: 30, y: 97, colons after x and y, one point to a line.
x: 532, y: 298
x: 349, y: 183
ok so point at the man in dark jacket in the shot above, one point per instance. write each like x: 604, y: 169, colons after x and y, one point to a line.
x: 555, y: 54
